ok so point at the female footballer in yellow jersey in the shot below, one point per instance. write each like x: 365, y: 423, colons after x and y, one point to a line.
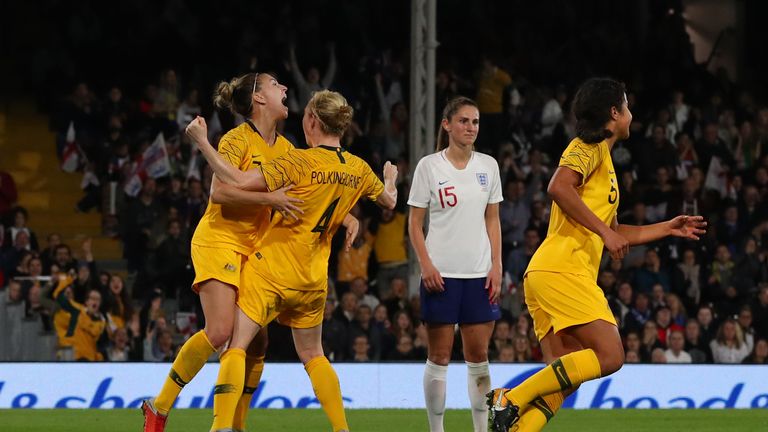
x: 227, y: 234
x: 577, y: 330
x: 290, y: 265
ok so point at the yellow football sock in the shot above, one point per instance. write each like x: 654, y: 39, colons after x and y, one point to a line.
x: 193, y: 355
x: 254, y: 366
x: 326, y: 386
x: 229, y: 387
x: 565, y: 373
x: 538, y: 413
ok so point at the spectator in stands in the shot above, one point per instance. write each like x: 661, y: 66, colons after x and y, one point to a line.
x: 189, y: 109
x: 675, y: 353
x: 621, y: 303
x: 38, y: 308
x: 19, y: 217
x: 658, y: 153
x: 491, y: 81
x: 310, y: 83
x: 706, y: 318
x: 522, y: 349
x: 514, y: 213
x: 118, y: 349
x: 13, y: 293
x: 760, y: 312
x: 363, y: 324
x: 502, y: 336
x: 359, y: 287
x: 62, y: 260
x: 86, y: 325
x: 638, y: 314
x: 404, y: 350
x: 158, y: 346
x: 48, y: 255
x: 506, y: 354
x: 729, y: 346
x: 632, y: 344
x: 171, y: 263
x: 346, y: 313
x: 676, y: 310
x: 399, y: 299
x: 745, y: 324
x: 334, y: 333
x: 14, y: 255
x: 658, y: 356
x: 650, y: 338
x: 360, y: 349
x: 664, y: 324
x: 139, y: 221
x: 695, y: 344
x: 651, y: 273
x: 117, y: 305
x: 391, y: 249
x: 687, y: 280
x: 8, y: 194
x: 86, y: 273
x: 658, y: 297
x: 353, y: 263
x: 759, y: 354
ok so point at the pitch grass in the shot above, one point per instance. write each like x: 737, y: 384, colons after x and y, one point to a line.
x: 274, y: 420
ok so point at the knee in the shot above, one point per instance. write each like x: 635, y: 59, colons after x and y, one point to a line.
x: 305, y: 355
x: 611, y: 361
x: 476, y: 355
x: 218, y: 334
x: 440, y: 357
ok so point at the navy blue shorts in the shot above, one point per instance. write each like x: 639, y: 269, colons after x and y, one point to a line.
x: 464, y: 301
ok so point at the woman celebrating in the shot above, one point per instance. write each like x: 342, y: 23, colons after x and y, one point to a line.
x: 288, y: 273
x: 461, y: 257
x: 571, y: 317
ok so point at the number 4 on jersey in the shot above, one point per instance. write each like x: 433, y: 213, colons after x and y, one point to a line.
x: 325, y: 219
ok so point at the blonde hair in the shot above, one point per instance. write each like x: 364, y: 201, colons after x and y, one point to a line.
x: 332, y: 110
x: 237, y: 94
x: 451, y: 108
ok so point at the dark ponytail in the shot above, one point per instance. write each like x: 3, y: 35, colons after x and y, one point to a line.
x: 592, y: 108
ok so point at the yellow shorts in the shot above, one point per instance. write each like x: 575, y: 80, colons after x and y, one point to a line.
x: 221, y: 264
x: 561, y: 300
x: 263, y: 301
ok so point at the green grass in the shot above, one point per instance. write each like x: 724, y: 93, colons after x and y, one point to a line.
x: 386, y: 420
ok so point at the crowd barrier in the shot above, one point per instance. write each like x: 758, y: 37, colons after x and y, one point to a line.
x: 376, y: 385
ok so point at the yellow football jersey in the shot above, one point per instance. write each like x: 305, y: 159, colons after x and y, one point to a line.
x: 329, y: 180
x: 239, y: 228
x: 569, y: 246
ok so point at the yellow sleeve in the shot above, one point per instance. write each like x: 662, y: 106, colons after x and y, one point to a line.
x: 288, y: 169
x: 234, y: 150
x: 372, y: 186
x: 582, y: 158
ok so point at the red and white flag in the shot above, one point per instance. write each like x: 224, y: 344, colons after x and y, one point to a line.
x: 153, y: 162
x: 70, y: 158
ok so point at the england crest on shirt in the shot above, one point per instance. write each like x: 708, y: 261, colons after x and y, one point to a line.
x: 482, y: 178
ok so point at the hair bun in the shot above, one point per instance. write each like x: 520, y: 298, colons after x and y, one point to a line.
x: 222, y: 98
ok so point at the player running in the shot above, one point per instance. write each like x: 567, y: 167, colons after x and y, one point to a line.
x: 578, y: 333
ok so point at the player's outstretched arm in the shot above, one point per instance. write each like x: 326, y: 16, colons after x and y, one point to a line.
x: 197, y: 131
x: 352, y: 224
x: 689, y: 227
x: 562, y: 190
x: 224, y: 194
x: 388, y: 197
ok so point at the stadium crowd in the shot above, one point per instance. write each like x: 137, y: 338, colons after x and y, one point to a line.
x: 695, y: 149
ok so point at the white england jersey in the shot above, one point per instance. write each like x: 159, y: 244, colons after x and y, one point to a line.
x: 457, y: 240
